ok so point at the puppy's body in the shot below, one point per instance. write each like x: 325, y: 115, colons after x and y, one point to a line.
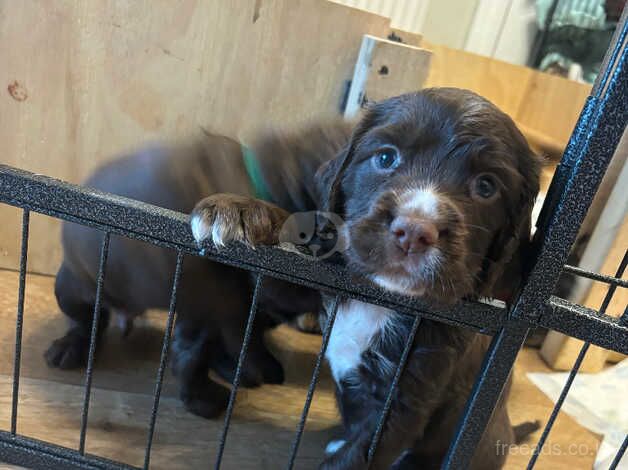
x: 436, y: 189
x: 436, y: 382
x: 213, y: 300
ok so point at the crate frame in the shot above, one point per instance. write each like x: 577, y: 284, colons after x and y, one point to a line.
x: 591, y: 146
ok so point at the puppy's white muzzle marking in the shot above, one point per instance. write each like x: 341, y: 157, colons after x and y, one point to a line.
x: 423, y: 200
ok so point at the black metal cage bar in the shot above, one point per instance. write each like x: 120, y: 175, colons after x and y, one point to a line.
x: 576, y: 180
x: 620, y: 454
x: 315, y: 375
x: 573, y: 187
x: 170, y: 229
x: 19, y: 320
x: 238, y: 372
x: 93, y: 339
x: 391, y: 392
x: 163, y: 359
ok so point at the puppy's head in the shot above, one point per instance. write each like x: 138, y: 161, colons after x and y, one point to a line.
x: 436, y: 189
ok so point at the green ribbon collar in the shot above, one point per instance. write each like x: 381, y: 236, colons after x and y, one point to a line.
x: 255, y: 174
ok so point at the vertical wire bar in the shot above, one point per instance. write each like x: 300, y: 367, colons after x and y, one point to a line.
x: 620, y: 454
x: 623, y: 320
x: 104, y: 253
x: 236, y: 380
x: 574, y: 371
x: 495, y: 371
x: 391, y: 391
x: 558, y: 406
x: 19, y: 320
x: 163, y: 360
x: 310, y: 391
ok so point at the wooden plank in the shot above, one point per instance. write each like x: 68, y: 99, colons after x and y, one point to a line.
x: 546, y: 104
x: 385, y: 68
x: 406, y: 37
x: 615, y: 357
x: 118, y: 424
x: 124, y: 364
x: 542, y: 144
x: 552, y: 104
x: 117, y: 427
x: 83, y: 81
x: 502, y: 83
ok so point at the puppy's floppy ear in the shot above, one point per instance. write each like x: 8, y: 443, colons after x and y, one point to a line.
x: 328, y: 178
x: 329, y: 175
x: 505, y: 260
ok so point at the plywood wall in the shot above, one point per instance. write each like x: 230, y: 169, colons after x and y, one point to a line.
x: 548, y: 104
x: 82, y: 81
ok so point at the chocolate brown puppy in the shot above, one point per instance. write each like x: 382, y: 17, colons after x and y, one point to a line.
x: 213, y: 299
x: 436, y: 190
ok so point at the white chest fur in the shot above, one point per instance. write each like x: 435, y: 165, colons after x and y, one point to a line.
x: 356, y: 325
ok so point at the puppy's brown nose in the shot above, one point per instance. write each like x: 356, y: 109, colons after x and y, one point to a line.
x: 413, y: 235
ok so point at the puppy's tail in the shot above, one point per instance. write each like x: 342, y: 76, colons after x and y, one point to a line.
x: 523, y: 430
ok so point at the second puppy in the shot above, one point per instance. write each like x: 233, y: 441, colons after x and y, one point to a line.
x: 213, y: 299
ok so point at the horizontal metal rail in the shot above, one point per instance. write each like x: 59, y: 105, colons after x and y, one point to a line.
x: 170, y: 229
x: 586, y: 324
x: 613, y: 281
x: 39, y: 455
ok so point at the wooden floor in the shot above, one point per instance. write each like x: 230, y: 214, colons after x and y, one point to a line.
x: 264, y: 419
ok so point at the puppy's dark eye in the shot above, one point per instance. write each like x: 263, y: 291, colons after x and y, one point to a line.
x: 386, y: 158
x: 485, y: 186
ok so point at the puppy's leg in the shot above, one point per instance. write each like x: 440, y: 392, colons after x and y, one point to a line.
x: 71, y: 350
x: 224, y: 218
x: 192, y: 348
x: 254, y: 372
x: 260, y: 365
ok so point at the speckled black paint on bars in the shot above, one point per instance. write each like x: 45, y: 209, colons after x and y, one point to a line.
x: 587, y: 155
x: 38, y: 455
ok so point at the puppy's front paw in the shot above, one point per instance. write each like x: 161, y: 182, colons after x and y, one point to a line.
x: 205, y: 398
x: 69, y: 351
x: 223, y: 218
